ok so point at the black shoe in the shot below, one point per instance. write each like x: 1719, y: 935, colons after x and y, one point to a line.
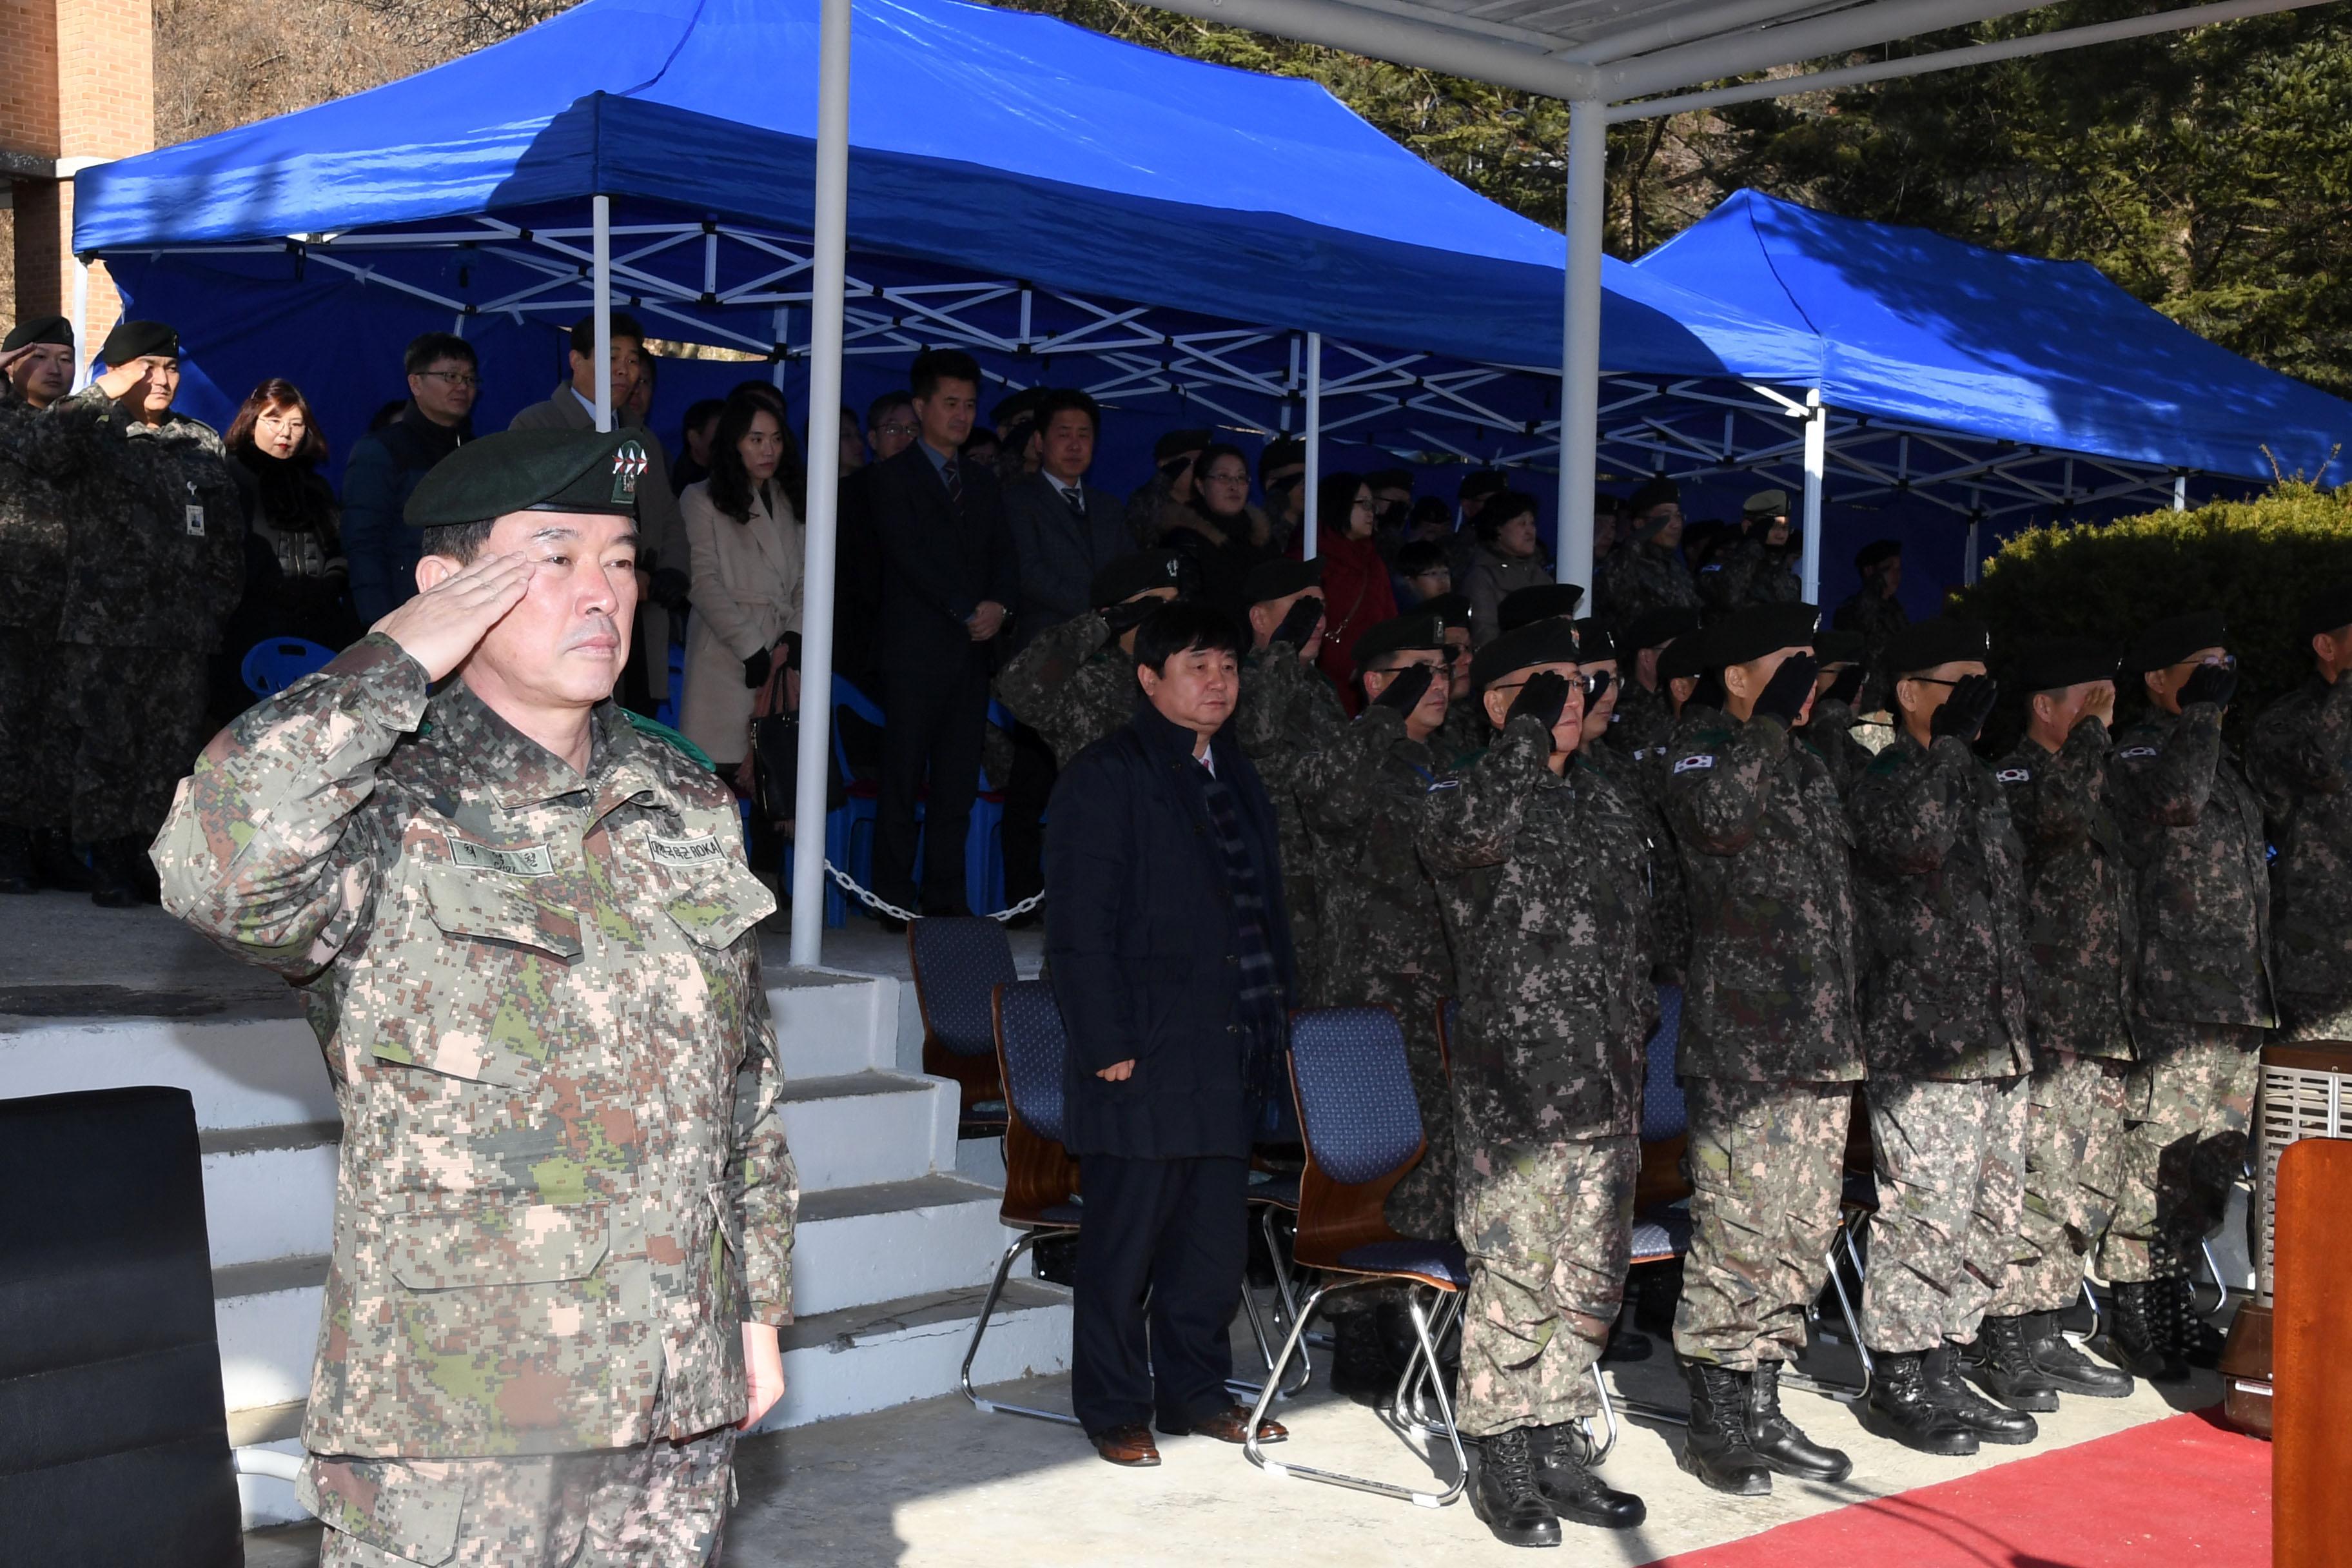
x: 17, y: 861
x: 1716, y: 1450
x: 54, y: 864
x: 2068, y: 1369
x: 1504, y: 1493
x: 1777, y: 1440
x: 2001, y: 1361
x: 1990, y: 1423
x: 1899, y: 1407
x: 2194, y: 1337
x: 2138, y: 1338
x: 1626, y: 1343
x: 121, y: 876
x: 1564, y: 1457
x: 1360, y: 1368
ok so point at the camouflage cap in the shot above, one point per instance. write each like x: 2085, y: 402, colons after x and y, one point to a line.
x: 1544, y: 642
x: 1524, y: 606
x: 1415, y: 630
x: 532, y: 470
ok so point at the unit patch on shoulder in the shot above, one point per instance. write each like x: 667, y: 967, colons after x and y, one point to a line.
x: 1696, y: 764
x: 2014, y: 775
x: 2131, y: 752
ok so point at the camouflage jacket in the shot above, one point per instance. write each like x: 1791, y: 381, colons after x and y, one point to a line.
x: 1638, y: 577
x: 1542, y: 879
x: 1072, y: 685
x: 1829, y: 730
x: 1940, y: 873
x: 1288, y: 711
x: 1462, y: 737
x: 154, y: 543
x: 2192, y: 829
x: 2081, y: 926
x: 1747, y: 572
x: 563, y: 1181
x: 2301, y: 760
x: 1877, y: 619
x: 50, y: 461
x: 1642, y: 787
x: 1769, y: 997
x: 1643, y: 720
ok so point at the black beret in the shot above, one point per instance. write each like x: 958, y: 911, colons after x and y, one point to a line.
x: 1024, y: 402
x: 1761, y: 629
x: 1483, y: 482
x: 2169, y: 642
x: 1545, y: 642
x: 2061, y: 662
x: 532, y: 470
x: 1176, y: 443
x: 1655, y: 628
x: 1692, y: 654
x: 39, y: 330
x: 1924, y: 645
x: 1415, y: 630
x: 1137, y: 574
x: 137, y: 340
x: 1454, y: 609
x: 1593, y: 638
x: 2328, y: 610
x: 1280, y: 579
x: 1657, y: 492
x: 1524, y: 606
x: 1838, y: 648
x: 1876, y: 551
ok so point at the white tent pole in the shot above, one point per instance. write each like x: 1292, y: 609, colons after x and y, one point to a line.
x: 83, y: 354
x: 828, y: 265
x: 1817, y: 451
x: 2180, y: 493
x: 1313, y: 476
x: 1969, y: 567
x: 601, y: 267
x: 1580, y: 348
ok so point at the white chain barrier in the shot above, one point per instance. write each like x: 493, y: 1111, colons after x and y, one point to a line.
x: 883, y: 907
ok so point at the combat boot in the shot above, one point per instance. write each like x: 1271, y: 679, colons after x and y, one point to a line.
x: 1990, y: 1423
x: 1626, y: 1343
x: 17, y: 861
x: 1717, y: 1450
x: 1564, y: 1457
x: 54, y: 864
x: 1505, y: 1497
x: 122, y: 878
x: 2002, y: 1361
x: 1360, y: 1368
x: 2194, y: 1339
x: 1899, y: 1407
x: 2138, y: 1340
x: 2068, y: 1369
x: 1777, y: 1440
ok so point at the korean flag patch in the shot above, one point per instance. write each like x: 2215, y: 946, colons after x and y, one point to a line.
x: 1693, y: 764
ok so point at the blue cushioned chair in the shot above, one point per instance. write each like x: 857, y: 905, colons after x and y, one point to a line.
x: 959, y: 963
x: 273, y: 664
x: 1361, y: 1129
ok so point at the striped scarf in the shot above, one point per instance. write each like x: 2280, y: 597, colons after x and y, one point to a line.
x: 1265, y: 1023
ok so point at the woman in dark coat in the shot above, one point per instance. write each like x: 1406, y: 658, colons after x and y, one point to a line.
x: 1218, y: 529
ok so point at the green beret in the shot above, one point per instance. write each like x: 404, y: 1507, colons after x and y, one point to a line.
x: 1594, y: 642
x: 1415, y: 631
x: 532, y: 470
x: 1924, y: 645
x: 1454, y: 609
x: 39, y: 330
x: 1544, y: 642
x: 1658, y: 627
x: 1524, y: 606
x: 1839, y: 648
x: 137, y: 340
x: 2328, y: 610
x: 2062, y: 662
x: 1280, y: 579
x: 1140, y: 572
x: 1761, y: 629
x: 2170, y: 642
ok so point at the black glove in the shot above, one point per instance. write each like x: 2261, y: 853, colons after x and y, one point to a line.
x: 1965, y: 711
x: 669, y: 590
x: 1127, y: 614
x: 1846, y: 688
x: 1300, y: 621
x: 1596, y: 686
x: 1545, y: 695
x: 1784, y: 695
x: 1404, y: 691
x: 792, y: 647
x: 756, y: 668
x: 2210, y: 683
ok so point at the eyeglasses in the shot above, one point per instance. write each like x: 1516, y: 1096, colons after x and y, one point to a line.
x: 1218, y: 479
x: 454, y: 377
x: 896, y: 429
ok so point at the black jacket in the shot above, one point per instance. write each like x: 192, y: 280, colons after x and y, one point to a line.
x: 1057, y: 553
x: 1142, y: 943
x: 384, y: 468
x: 937, y: 567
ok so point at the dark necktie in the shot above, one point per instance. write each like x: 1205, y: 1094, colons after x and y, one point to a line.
x: 1077, y: 501
x: 952, y: 472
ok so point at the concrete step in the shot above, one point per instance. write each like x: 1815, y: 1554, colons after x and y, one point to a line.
x: 241, y: 1071
x: 857, y: 1130
x: 266, y: 1315
x: 892, y: 1352
x: 894, y: 1240
x: 270, y: 1192
x: 830, y: 1022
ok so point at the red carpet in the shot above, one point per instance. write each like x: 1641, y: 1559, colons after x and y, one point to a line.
x: 2181, y: 1491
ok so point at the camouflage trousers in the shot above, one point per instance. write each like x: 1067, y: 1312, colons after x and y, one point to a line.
x: 2073, y: 1167
x: 135, y: 718
x: 1550, y: 1234
x: 36, y: 749
x: 2187, y: 1106
x: 1951, y: 1192
x: 2301, y: 1018
x: 1768, y: 1169
x: 660, y: 1506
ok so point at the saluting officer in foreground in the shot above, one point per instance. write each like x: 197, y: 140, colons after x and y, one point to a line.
x: 523, y: 928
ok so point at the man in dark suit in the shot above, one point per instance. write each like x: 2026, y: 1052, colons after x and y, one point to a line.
x: 1169, y: 953
x: 948, y: 581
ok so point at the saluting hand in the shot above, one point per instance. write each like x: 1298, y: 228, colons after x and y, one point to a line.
x: 442, y: 625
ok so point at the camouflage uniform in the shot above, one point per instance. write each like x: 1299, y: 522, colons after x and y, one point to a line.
x: 1643, y: 788
x: 1877, y: 619
x: 1541, y: 881
x: 1643, y: 718
x: 2082, y: 930
x: 1289, y: 711
x: 2301, y: 760
x: 1384, y: 938
x: 563, y: 1181
x: 1750, y: 573
x: 1940, y: 874
x: 2192, y: 829
x: 1640, y: 576
x: 1460, y: 740
x: 1829, y: 730
x: 1072, y: 684
x: 1769, y: 1049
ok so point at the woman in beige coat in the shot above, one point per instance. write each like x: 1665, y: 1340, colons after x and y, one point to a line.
x: 743, y: 533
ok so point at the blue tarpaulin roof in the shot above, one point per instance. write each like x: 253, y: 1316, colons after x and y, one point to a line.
x: 1916, y: 327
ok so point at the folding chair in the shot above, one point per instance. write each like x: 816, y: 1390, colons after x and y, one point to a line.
x: 957, y: 964
x: 1362, y: 1127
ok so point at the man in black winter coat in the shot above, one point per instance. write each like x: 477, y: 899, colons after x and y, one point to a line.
x: 387, y: 465
x: 1169, y: 953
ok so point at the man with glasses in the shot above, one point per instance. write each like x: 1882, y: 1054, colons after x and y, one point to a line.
x: 2193, y: 829
x: 1648, y: 573
x: 1464, y: 734
x: 387, y: 465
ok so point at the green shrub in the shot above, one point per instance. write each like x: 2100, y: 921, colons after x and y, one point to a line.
x: 2256, y: 562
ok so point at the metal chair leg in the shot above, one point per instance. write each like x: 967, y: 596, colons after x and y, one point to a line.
x: 1241, y: 1389
x: 979, y: 1328
x: 1601, y: 1450
x: 2091, y: 1300
x: 1286, y: 1281
x: 1255, y: 1451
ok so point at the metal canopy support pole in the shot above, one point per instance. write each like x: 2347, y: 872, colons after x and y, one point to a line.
x: 1313, y: 476
x: 1817, y: 454
x: 828, y: 265
x: 1974, y: 546
x: 601, y: 270
x: 83, y: 355
x: 2180, y: 493
x: 1580, y: 349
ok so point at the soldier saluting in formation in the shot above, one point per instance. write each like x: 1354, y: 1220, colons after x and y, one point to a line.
x: 522, y: 924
